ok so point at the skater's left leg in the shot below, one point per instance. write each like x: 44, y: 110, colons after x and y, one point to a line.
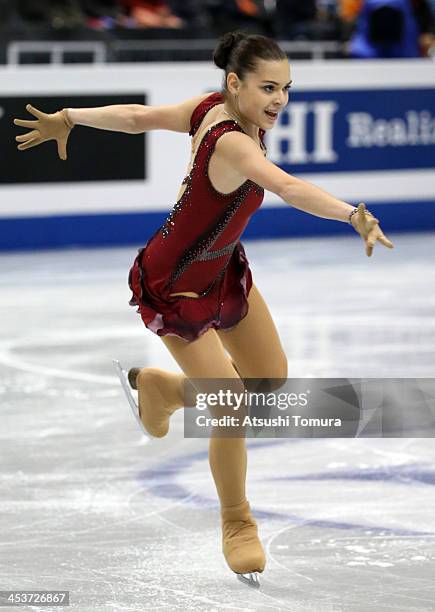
x: 206, y: 359
x: 256, y: 352
x: 254, y: 343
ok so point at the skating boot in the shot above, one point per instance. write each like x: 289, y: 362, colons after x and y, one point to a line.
x: 150, y: 383
x: 241, y: 547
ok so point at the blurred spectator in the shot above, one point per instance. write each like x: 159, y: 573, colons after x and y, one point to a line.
x: 227, y: 15
x: 192, y: 12
x: 329, y: 26
x: 102, y: 14
x: 307, y: 20
x: 56, y: 13
x: 152, y: 14
x: 381, y: 28
x: 426, y: 20
x: 327, y: 9
x: 349, y: 10
x: 101, y: 8
x: 294, y: 19
x: 388, y: 28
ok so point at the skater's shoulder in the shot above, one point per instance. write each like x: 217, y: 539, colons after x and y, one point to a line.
x: 174, y: 117
x: 205, y: 103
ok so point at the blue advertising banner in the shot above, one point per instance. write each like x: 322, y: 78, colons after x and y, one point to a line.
x: 347, y: 131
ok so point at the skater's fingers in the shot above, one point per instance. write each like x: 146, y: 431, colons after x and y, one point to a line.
x: 365, y: 220
x: 25, y: 123
x: 27, y: 136
x: 61, y: 149
x: 34, y: 111
x: 31, y: 143
x: 370, y: 241
x: 384, y: 240
x: 361, y: 212
x: 378, y: 235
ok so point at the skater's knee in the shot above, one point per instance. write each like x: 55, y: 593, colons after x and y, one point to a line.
x: 279, y: 372
x: 269, y: 376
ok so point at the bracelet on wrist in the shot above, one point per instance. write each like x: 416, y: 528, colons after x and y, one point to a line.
x: 354, y: 211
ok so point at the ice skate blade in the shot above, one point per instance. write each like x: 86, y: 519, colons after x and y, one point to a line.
x: 251, y: 579
x: 123, y: 377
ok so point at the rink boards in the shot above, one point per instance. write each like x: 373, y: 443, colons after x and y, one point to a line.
x: 365, y: 131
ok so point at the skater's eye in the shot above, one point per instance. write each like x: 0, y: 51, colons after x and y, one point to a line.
x: 270, y: 88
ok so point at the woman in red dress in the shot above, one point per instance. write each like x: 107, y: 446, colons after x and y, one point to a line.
x: 191, y: 283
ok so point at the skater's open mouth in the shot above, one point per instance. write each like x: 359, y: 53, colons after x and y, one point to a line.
x: 271, y: 114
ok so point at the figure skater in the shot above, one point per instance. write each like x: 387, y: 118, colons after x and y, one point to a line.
x: 191, y: 282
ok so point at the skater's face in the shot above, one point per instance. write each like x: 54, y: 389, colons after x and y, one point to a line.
x: 262, y: 94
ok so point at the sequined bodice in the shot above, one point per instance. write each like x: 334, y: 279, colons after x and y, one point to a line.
x: 191, y: 250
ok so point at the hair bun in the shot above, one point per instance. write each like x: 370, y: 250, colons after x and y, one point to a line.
x: 225, y: 46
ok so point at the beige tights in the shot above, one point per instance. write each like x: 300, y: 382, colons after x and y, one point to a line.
x: 160, y: 394
x: 240, y: 544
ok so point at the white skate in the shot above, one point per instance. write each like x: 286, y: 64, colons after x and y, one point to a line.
x: 123, y: 377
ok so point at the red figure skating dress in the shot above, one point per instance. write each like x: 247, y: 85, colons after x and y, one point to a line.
x: 198, y: 249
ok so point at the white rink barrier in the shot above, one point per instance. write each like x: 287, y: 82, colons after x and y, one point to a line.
x: 365, y: 131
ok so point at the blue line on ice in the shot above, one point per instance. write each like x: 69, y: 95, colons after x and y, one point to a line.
x: 160, y: 481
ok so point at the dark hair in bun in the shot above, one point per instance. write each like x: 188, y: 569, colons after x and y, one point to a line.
x: 239, y: 52
x: 225, y: 46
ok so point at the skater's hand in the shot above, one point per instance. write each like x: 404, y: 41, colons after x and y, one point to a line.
x: 54, y: 126
x: 368, y: 228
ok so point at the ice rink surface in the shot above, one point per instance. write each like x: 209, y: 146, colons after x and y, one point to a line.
x: 88, y: 505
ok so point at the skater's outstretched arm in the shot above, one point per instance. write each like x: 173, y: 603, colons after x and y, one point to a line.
x: 137, y: 118
x: 173, y: 117
x: 243, y: 154
x: 128, y: 118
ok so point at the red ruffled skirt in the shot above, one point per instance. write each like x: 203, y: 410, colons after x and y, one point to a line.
x: 224, y: 305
